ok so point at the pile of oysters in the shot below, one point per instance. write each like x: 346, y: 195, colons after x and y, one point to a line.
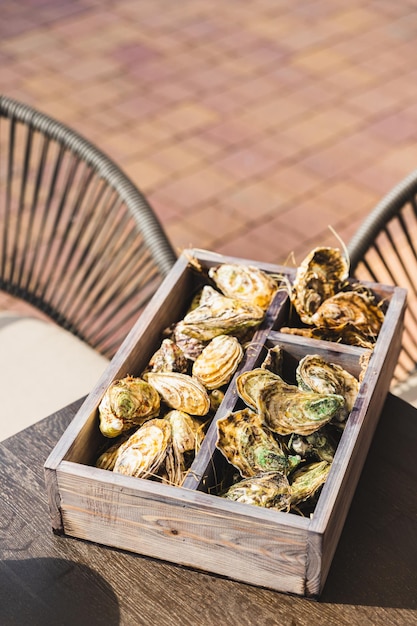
x: 158, y: 420
x: 284, y: 439
x: 282, y: 442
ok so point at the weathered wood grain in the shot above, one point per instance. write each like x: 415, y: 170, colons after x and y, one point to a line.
x: 186, y: 525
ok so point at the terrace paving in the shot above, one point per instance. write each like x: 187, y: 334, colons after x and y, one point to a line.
x: 251, y: 127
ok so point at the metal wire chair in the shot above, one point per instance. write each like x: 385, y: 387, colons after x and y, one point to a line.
x: 78, y: 240
x: 384, y: 249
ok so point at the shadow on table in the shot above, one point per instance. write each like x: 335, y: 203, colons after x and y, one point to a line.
x: 59, y: 592
x: 375, y: 561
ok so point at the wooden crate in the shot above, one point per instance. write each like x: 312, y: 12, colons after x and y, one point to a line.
x: 190, y: 525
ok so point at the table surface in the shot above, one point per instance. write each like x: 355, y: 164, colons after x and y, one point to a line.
x: 46, y: 579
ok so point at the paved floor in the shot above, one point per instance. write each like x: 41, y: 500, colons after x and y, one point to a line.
x: 252, y: 126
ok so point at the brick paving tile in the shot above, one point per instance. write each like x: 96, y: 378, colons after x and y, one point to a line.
x: 248, y: 125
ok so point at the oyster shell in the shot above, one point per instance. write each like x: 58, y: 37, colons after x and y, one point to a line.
x: 315, y: 374
x: 249, y: 384
x: 180, y: 391
x: 216, y: 398
x: 190, y: 346
x: 350, y: 309
x: 244, y: 282
x: 218, y: 361
x: 187, y: 435
x: 168, y: 358
x: 145, y: 451
x: 274, y: 360
x: 128, y: 402
x: 286, y: 409
x: 317, y: 278
x: 270, y: 490
x: 307, y: 480
x: 249, y: 446
x: 220, y: 315
x: 343, y: 334
x: 319, y: 445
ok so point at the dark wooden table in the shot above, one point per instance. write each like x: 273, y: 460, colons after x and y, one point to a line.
x: 45, y: 579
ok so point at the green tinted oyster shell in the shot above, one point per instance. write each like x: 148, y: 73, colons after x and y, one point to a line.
x: 128, y: 402
x: 316, y: 374
x: 286, y: 409
x: 269, y: 490
x: 220, y: 315
x: 306, y: 481
x: 249, y: 446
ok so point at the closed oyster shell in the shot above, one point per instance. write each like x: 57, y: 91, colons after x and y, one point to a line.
x: 315, y: 374
x: 318, y: 277
x: 145, y: 451
x: 244, y: 282
x: 249, y: 384
x: 187, y: 435
x: 350, y: 309
x: 190, y: 346
x: 307, y: 480
x: 180, y: 391
x: 128, y: 402
x: 168, y: 358
x: 218, y: 361
x: 249, y: 446
x: 318, y: 445
x: 286, y: 409
x: 270, y: 490
x: 220, y: 315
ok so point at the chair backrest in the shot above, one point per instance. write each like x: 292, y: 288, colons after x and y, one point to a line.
x: 384, y: 249
x: 77, y: 239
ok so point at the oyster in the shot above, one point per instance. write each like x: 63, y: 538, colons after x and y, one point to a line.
x: 315, y: 374
x: 248, y: 384
x: 307, y: 480
x: 145, y: 451
x: 319, y: 444
x: 286, y: 409
x: 249, y: 446
x: 168, y: 358
x: 128, y: 402
x: 180, y: 391
x: 338, y: 335
x: 244, y: 282
x: 350, y: 309
x: 218, y: 361
x: 106, y: 459
x: 274, y: 360
x: 220, y: 315
x: 270, y: 490
x: 190, y: 347
x: 187, y: 435
x: 318, y: 277
x: 216, y: 398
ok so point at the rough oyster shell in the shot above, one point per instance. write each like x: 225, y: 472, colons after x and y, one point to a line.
x: 249, y: 446
x: 313, y: 373
x: 180, y: 391
x: 168, y: 358
x: 307, y: 480
x: 244, y: 282
x: 317, y: 278
x: 145, y: 451
x: 343, y: 334
x: 270, y: 490
x: 319, y: 445
x: 249, y: 384
x: 218, y: 361
x: 286, y: 409
x: 220, y: 315
x: 190, y: 346
x: 128, y: 402
x: 274, y: 360
x: 187, y: 435
x: 350, y: 309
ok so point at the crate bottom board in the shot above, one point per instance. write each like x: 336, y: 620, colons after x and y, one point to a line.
x: 190, y: 530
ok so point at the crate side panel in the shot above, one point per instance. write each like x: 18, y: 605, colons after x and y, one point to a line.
x: 337, y: 494
x: 251, y: 550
